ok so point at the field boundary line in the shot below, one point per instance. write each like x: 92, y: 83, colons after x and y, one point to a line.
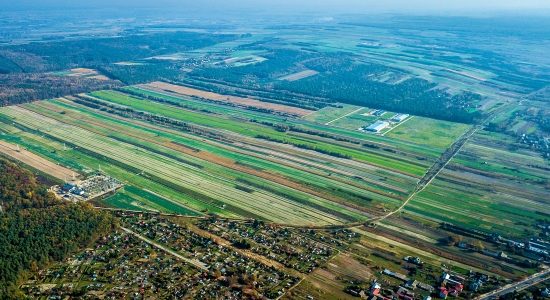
x: 401, y: 123
x: 351, y: 113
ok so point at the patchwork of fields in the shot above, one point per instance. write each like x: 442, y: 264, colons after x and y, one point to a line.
x: 217, y: 164
x: 183, y: 155
x: 488, y: 187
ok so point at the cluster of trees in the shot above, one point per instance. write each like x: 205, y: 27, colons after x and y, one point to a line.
x: 36, y: 228
x: 154, y: 70
x: 21, y: 88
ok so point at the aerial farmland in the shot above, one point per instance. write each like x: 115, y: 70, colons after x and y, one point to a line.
x: 327, y: 161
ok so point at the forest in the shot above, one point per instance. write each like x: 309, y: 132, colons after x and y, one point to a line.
x: 154, y: 70
x: 343, y: 79
x: 20, y: 88
x: 92, y: 53
x: 37, y: 228
x: 24, y: 69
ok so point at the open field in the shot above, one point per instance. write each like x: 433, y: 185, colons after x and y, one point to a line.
x: 83, y: 72
x: 159, y: 86
x: 258, y: 130
x: 330, y: 113
x: 252, y: 157
x: 35, y: 161
x: 299, y: 75
x: 132, y: 198
x: 439, y: 134
x: 95, y: 129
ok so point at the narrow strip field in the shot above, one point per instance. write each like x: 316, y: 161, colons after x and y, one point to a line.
x: 162, y: 86
x: 35, y: 161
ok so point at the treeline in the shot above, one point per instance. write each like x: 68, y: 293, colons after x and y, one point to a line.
x: 128, y: 112
x: 22, y: 88
x: 167, y: 99
x: 36, y: 228
x: 164, y: 99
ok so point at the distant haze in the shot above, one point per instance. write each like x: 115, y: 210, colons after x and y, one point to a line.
x: 295, y: 6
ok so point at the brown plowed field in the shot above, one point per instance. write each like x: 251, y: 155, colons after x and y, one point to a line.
x: 35, y: 161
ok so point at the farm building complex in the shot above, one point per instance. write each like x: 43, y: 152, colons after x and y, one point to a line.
x: 376, y: 126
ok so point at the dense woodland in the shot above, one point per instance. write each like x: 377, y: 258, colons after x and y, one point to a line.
x: 343, y: 79
x: 21, y: 88
x: 93, y: 53
x: 36, y: 228
x: 24, y: 69
x: 134, y: 74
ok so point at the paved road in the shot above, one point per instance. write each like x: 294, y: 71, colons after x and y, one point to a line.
x: 518, y: 286
x: 196, y: 263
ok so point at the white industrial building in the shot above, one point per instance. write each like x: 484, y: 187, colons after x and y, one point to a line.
x: 377, y: 126
x: 399, y: 117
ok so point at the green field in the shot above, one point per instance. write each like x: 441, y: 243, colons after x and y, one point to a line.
x: 244, y: 176
x: 488, y: 187
x: 250, y: 130
x: 330, y: 113
x: 436, y: 133
x: 133, y: 198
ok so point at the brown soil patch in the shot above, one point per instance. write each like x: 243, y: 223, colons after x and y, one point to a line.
x: 35, y: 161
x: 156, y: 86
x: 100, y: 77
x: 346, y: 265
x: 83, y: 71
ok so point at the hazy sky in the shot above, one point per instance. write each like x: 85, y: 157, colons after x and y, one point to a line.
x: 336, y: 6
